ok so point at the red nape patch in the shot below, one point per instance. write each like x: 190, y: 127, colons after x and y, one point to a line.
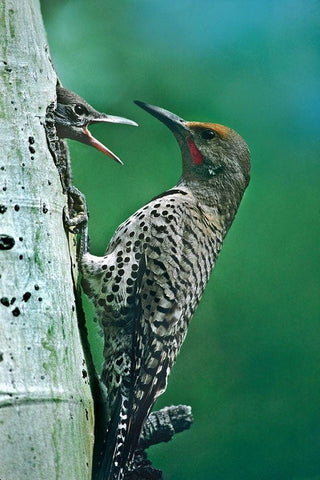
x: 197, y: 158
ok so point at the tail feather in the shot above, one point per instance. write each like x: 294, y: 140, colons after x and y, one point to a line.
x: 138, y: 416
x: 111, y: 466
x: 122, y: 439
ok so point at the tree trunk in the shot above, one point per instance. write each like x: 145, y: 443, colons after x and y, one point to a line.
x: 46, y: 408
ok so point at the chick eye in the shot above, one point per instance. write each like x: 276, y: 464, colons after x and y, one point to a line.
x: 80, y: 109
x: 208, y: 134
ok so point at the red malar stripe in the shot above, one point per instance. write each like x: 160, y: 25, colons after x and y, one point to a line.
x: 197, y: 158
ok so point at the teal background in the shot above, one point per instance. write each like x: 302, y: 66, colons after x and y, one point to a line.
x: 250, y: 366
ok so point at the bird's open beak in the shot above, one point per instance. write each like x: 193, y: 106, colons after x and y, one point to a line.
x: 91, y: 140
x: 172, y: 121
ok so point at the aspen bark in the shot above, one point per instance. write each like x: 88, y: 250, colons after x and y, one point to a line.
x: 46, y: 408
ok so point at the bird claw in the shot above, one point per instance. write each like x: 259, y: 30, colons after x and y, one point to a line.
x: 76, y: 213
x: 74, y: 224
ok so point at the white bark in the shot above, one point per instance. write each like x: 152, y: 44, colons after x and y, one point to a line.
x: 46, y: 409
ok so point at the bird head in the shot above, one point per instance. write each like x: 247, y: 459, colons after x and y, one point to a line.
x: 73, y: 115
x: 216, y: 159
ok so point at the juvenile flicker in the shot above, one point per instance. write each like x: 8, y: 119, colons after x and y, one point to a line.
x: 73, y: 116
x: 149, y: 282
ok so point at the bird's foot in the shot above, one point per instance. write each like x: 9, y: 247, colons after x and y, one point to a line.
x: 76, y: 213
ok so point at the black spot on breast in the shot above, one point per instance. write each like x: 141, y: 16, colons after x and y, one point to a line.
x: 161, y: 228
x: 155, y: 213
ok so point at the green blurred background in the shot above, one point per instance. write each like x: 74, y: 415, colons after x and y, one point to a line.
x: 250, y: 366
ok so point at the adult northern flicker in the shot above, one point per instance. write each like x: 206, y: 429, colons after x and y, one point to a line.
x: 150, y: 280
x: 73, y: 115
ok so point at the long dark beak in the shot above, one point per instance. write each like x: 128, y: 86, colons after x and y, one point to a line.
x: 172, y: 121
x: 104, y: 118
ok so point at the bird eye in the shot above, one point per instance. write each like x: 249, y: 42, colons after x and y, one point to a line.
x: 80, y: 109
x: 208, y: 134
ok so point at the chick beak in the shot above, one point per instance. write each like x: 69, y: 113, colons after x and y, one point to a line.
x: 91, y: 140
